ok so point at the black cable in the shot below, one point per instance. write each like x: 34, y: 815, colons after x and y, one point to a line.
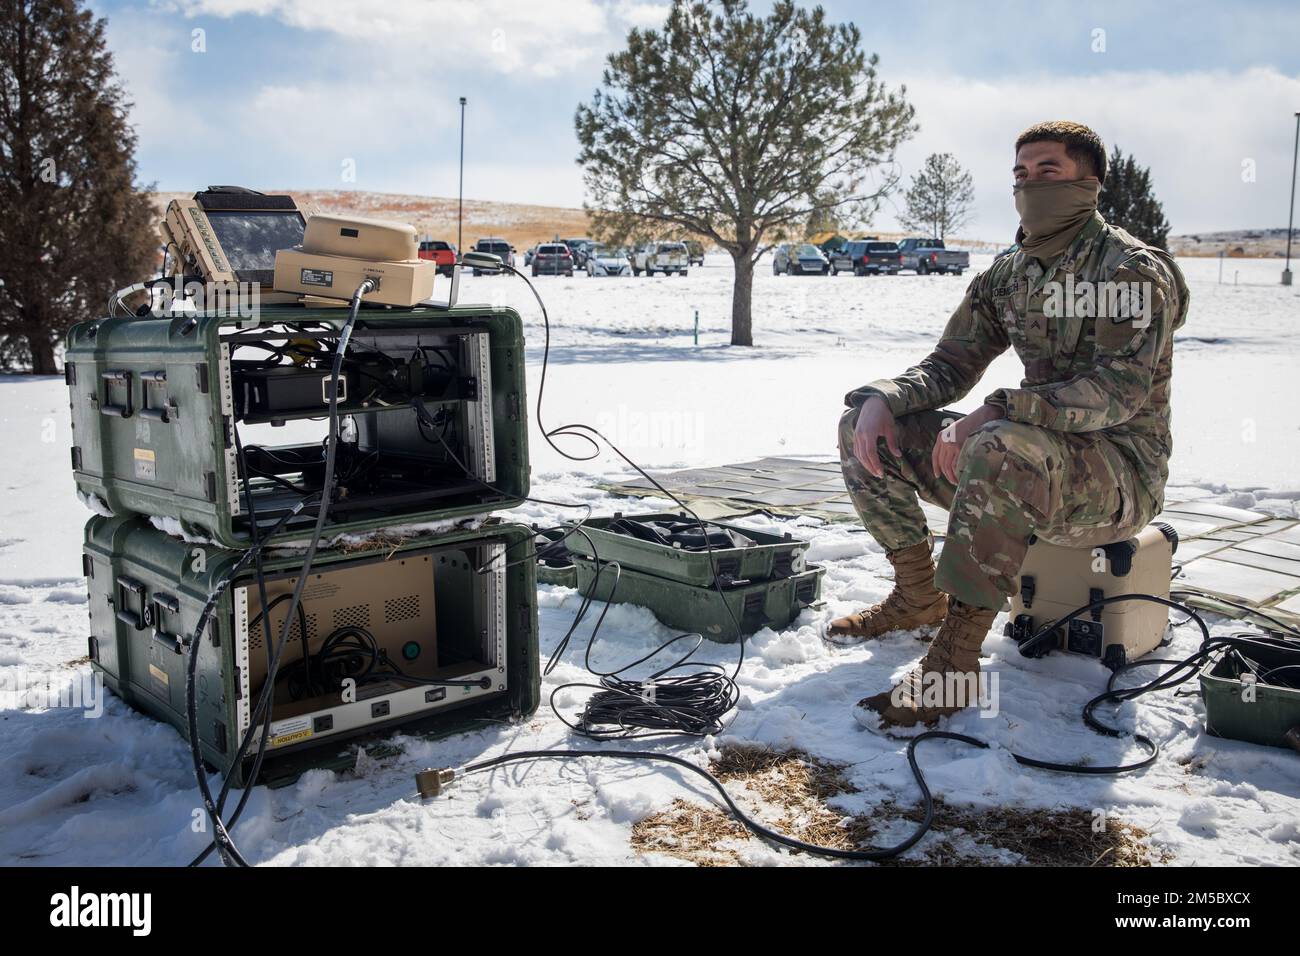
x: 353, y: 653
x: 767, y: 833
x: 696, y: 705
x: 262, y: 712
x: 1171, y: 678
x: 277, y: 479
x: 225, y: 845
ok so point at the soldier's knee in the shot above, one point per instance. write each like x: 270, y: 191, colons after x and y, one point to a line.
x: 996, y: 440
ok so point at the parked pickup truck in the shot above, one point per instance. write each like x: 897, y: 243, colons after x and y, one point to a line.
x: 924, y: 256
x: 866, y: 258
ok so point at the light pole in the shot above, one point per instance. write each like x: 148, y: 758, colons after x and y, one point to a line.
x: 460, y: 195
x: 1290, y: 221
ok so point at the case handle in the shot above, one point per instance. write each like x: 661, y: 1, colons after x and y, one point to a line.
x: 111, y: 378
x: 166, y: 602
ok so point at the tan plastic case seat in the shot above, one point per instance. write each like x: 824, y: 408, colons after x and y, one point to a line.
x: 1055, y: 580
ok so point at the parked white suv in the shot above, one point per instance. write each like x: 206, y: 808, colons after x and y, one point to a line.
x: 665, y: 257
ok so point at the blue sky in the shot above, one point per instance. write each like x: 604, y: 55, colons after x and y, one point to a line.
x: 362, y: 95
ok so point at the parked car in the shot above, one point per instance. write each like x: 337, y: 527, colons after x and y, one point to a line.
x: 607, y: 261
x: 665, y: 257
x: 925, y: 256
x: 553, y: 259
x: 442, y: 253
x: 865, y: 258
x: 801, y: 258
x: 694, y: 252
x: 497, y: 247
x: 578, y: 248
x: 529, y: 253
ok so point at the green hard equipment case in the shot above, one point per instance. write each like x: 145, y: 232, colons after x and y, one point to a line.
x: 770, y: 556
x: 1259, y: 714
x: 710, y: 611
x: 156, y: 401
x: 456, y: 606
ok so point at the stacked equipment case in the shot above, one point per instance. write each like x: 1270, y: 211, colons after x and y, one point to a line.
x: 196, y: 434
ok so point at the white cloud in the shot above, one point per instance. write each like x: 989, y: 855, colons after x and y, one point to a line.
x: 373, y: 94
x: 644, y: 15
x: 543, y: 38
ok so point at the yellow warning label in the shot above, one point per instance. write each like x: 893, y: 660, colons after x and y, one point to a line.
x: 290, y: 738
x: 146, y: 465
x: 159, y: 683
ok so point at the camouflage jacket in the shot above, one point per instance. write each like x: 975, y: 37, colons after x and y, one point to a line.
x: 1088, y: 368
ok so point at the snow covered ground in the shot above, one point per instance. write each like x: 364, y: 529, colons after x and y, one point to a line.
x: 117, y: 789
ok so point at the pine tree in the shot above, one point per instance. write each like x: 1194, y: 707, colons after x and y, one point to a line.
x: 940, y: 197
x: 739, y: 128
x: 1128, y: 200
x: 73, y: 227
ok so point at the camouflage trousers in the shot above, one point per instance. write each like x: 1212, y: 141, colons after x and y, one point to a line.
x: 1014, y: 481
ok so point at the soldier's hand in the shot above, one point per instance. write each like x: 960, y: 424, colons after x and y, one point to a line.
x: 875, y: 421
x: 947, y: 447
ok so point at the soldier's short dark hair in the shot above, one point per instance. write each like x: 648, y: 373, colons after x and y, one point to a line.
x: 1081, y: 144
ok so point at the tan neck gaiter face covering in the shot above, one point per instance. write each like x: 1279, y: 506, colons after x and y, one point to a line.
x: 1053, y: 212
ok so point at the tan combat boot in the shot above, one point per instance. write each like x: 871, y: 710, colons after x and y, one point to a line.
x: 914, y: 601
x: 944, y: 682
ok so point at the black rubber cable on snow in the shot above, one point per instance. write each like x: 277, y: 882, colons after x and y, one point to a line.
x: 230, y: 854
x: 619, y: 702
x: 225, y: 846
x: 261, y: 713
x: 1170, y: 678
x: 767, y: 833
x: 695, y: 704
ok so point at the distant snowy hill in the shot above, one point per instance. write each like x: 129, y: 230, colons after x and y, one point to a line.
x: 1235, y: 243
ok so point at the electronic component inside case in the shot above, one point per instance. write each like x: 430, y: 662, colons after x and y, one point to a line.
x: 430, y: 404
x: 429, y: 633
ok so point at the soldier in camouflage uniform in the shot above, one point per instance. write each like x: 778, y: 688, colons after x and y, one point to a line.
x: 1077, y: 455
